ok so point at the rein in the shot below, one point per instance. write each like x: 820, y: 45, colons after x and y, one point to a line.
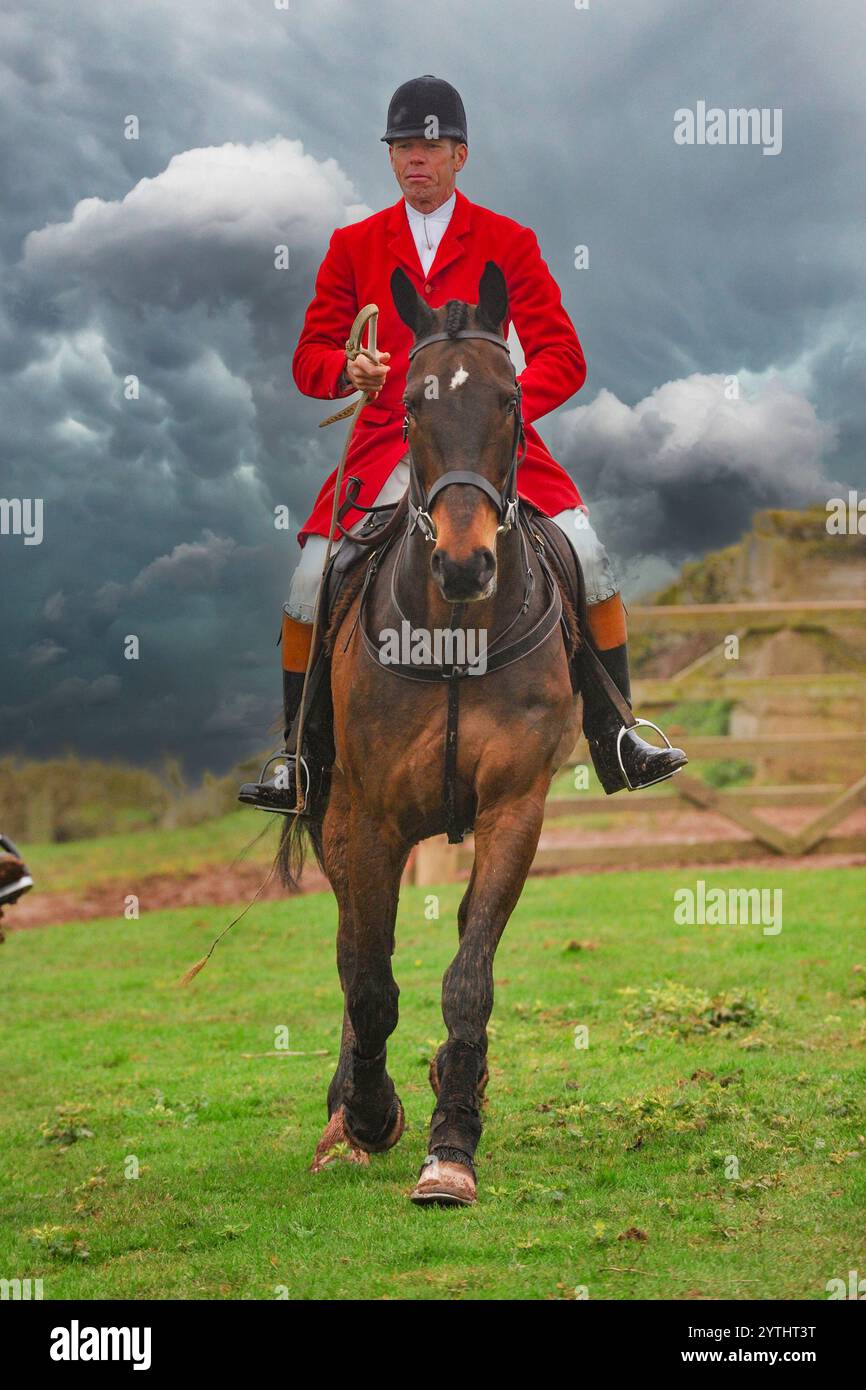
x: 368, y: 318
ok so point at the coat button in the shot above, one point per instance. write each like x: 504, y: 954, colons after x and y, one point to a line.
x: 428, y: 289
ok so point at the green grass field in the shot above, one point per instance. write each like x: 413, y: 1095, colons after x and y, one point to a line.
x: 80, y: 865
x: 709, y: 1142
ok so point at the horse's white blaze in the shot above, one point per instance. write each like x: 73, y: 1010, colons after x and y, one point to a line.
x: 459, y: 377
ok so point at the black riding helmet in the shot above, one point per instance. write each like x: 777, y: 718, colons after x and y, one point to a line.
x: 416, y: 101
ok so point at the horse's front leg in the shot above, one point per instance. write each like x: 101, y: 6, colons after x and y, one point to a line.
x: 373, y: 1115
x: 506, y: 838
x: 334, y: 1143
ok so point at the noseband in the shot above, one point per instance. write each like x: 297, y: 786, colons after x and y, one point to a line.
x: 506, y: 501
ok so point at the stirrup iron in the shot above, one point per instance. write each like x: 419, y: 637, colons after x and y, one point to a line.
x: 648, y: 724
x: 283, y: 756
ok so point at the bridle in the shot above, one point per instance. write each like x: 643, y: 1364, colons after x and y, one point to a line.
x: 506, y: 501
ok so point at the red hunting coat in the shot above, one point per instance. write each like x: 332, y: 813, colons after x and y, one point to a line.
x: 357, y: 270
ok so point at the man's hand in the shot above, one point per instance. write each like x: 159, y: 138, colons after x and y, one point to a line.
x: 367, y: 373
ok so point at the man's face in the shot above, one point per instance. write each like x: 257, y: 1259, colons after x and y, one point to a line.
x: 426, y: 169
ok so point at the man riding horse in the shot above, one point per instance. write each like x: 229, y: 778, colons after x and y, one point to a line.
x: 443, y: 242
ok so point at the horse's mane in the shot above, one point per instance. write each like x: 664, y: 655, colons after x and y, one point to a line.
x: 456, y: 317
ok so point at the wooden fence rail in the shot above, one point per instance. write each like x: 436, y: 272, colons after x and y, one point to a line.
x: 437, y: 862
x: 756, y: 617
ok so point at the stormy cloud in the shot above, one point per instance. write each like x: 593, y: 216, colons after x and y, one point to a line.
x: 153, y: 289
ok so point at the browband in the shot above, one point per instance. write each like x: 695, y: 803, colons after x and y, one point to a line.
x: 462, y: 333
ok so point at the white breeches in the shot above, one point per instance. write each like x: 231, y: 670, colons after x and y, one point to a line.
x: 594, y: 559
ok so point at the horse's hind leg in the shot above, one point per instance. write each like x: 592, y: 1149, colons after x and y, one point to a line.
x: 506, y: 838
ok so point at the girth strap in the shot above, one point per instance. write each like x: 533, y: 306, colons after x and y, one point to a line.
x: 452, y: 729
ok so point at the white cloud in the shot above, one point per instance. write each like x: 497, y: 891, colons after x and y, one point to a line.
x: 688, y: 430
x: 176, y: 237
x: 683, y: 470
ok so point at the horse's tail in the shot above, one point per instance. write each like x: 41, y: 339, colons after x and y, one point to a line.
x: 296, y: 835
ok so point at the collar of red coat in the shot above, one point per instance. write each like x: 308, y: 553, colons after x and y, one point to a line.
x: 402, y: 243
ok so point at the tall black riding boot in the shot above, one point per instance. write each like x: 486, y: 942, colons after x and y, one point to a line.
x: 644, y: 764
x: 279, y: 792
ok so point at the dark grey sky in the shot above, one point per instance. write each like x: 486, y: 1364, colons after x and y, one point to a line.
x: 259, y: 126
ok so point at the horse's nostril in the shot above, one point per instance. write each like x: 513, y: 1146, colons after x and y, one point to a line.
x: 486, y: 563
x: 464, y: 579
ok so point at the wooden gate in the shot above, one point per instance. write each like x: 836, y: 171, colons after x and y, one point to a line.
x: 705, y: 679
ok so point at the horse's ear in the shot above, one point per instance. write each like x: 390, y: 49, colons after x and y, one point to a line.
x: 493, y: 297
x: 409, y: 304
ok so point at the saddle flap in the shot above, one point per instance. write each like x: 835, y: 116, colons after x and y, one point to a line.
x: 347, y: 558
x: 566, y: 564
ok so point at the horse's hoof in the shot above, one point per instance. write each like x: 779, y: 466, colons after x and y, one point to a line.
x: 444, y: 1184
x: 335, y: 1145
x: 380, y: 1146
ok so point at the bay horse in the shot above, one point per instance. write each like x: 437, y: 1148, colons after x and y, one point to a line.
x: 462, y: 565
